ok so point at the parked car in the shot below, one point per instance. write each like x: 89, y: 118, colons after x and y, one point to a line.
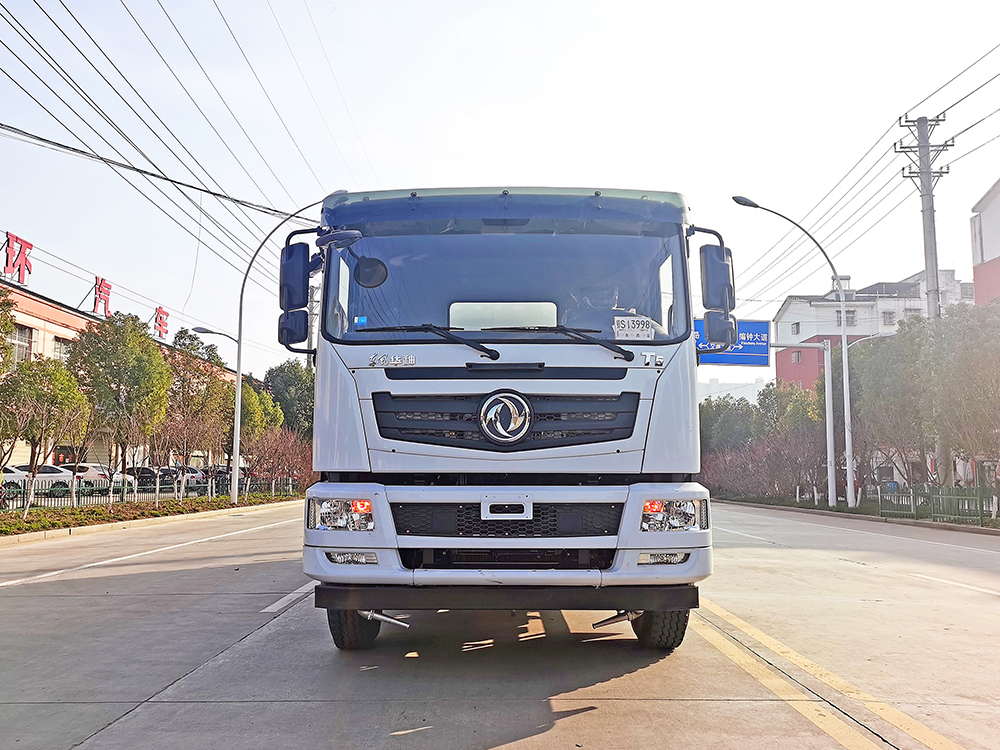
x: 145, y: 476
x: 11, y: 478
x: 87, y: 473
x: 194, y: 474
x: 53, y: 476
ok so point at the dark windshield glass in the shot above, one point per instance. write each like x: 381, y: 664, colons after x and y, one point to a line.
x: 623, y: 282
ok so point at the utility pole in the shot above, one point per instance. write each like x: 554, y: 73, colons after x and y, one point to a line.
x: 312, y: 309
x: 925, y: 177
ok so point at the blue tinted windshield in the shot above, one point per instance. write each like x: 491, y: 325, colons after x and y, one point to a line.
x: 624, y: 280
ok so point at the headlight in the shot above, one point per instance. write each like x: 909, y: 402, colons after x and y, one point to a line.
x: 674, y: 515
x: 340, y: 515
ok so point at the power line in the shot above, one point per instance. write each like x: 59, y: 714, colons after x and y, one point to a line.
x: 83, y: 95
x: 329, y: 65
x: 37, y: 140
x: 312, y: 96
x: 266, y: 95
x: 951, y: 80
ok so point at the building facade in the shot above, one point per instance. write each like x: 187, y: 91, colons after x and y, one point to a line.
x: 872, y: 311
x: 986, y: 246
x: 46, y: 328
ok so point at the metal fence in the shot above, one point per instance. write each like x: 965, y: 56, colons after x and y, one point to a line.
x: 971, y: 506
x: 58, y: 494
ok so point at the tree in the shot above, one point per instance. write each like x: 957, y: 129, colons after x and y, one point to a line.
x: 196, y: 404
x: 123, y: 374
x: 293, y: 387
x: 727, y: 424
x: 6, y: 331
x: 50, y: 406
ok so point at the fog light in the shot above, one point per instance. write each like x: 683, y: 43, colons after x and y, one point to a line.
x: 340, y: 515
x: 352, y: 558
x: 674, y: 515
x: 663, y: 558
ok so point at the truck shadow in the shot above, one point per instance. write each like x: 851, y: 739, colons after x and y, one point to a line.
x: 485, y: 679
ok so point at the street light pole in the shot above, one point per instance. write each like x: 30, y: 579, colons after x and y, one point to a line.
x: 234, y: 480
x: 848, y: 438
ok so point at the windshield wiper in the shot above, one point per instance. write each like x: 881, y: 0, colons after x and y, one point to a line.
x: 581, y: 334
x: 444, y: 332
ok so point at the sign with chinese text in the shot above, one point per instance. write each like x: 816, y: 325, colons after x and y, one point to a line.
x: 753, y: 339
x: 160, y: 324
x: 102, y: 296
x: 17, y: 263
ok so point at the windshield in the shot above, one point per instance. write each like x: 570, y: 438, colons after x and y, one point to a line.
x: 616, y: 281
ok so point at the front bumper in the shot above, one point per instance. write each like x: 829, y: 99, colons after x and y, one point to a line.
x: 652, y: 598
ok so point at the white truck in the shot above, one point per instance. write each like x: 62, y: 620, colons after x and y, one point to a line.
x: 505, y: 412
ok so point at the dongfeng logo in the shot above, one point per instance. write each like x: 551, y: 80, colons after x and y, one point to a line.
x: 505, y: 417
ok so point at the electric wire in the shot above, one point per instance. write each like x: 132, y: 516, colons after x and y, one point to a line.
x: 312, y: 96
x: 253, y: 228
x: 83, y: 95
x: 215, y: 88
x: 951, y: 80
x: 266, y: 95
x: 333, y: 75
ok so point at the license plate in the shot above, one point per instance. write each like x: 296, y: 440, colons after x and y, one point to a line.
x: 634, y: 328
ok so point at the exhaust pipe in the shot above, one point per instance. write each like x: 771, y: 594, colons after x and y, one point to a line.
x: 372, y: 615
x: 623, y: 615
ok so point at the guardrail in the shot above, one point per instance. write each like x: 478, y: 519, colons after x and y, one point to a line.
x: 971, y: 506
x: 56, y: 493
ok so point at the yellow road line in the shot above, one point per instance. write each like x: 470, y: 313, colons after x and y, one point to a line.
x: 797, y: 700
x: 921, y: 733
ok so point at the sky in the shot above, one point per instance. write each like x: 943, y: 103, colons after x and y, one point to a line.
x: 795, y: 105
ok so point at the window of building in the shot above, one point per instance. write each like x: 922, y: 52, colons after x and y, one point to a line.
x: 796, y: 327
x: 889, y: 317
x: 61, y: 348
x: 852, y: 318
x: 885, y: 474
x: 22, y: 340
x: 968, y: 291
x: 796, y: 357
x: 912, y: 312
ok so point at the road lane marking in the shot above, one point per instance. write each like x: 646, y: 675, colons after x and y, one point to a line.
x: 921, y: 733
x: 881, y: 536
x: 740, y: 533
x: 51, y: 573
x: 287, y: 599
x: 812, y: 710
x: 956, y: 583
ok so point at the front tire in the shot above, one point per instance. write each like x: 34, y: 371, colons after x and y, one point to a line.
x: 661, y: 630
x: 351, y: 631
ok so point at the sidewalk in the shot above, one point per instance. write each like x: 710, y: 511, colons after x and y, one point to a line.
x: 863, y: 517
x: 34, y: 536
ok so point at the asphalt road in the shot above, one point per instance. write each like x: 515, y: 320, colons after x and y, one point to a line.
x: 814, y: 633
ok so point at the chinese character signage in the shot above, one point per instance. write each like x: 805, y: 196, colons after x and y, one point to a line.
x: 753, y: 339
x: 17, y: 263
x: 160, y: 325
x: 102, y: 296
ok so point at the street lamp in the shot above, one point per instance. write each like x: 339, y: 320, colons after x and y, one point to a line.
x: 234, y: 481
x: 199, y: 329
x: 848, y: 442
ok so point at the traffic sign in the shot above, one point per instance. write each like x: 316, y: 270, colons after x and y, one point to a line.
x: 753, y: 338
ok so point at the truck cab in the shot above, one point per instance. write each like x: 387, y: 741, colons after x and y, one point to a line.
x: 506, y: 414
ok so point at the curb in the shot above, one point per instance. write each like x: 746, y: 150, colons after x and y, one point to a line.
x: 97, y: 528
x: 877, y: 519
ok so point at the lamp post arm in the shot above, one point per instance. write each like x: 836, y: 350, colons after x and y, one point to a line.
x: 234, y: 477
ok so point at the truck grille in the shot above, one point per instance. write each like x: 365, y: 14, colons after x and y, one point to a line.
x: 558, y: 420
x: 507, y: 559
x: 464, y: 520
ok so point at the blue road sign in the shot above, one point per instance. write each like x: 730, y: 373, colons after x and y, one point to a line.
x: 753, y: 339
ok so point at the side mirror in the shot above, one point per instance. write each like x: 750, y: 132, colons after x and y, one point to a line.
x: 293, y: 285
x: 720, y: 328
x: 718, y: 287
x: 293, y: 327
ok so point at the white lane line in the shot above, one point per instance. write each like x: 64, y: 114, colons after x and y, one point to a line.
x: 956, y: 583
x: 141, y: 554
x: 740, y: 533
x: 875, y: 533
x: 287, y: 599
